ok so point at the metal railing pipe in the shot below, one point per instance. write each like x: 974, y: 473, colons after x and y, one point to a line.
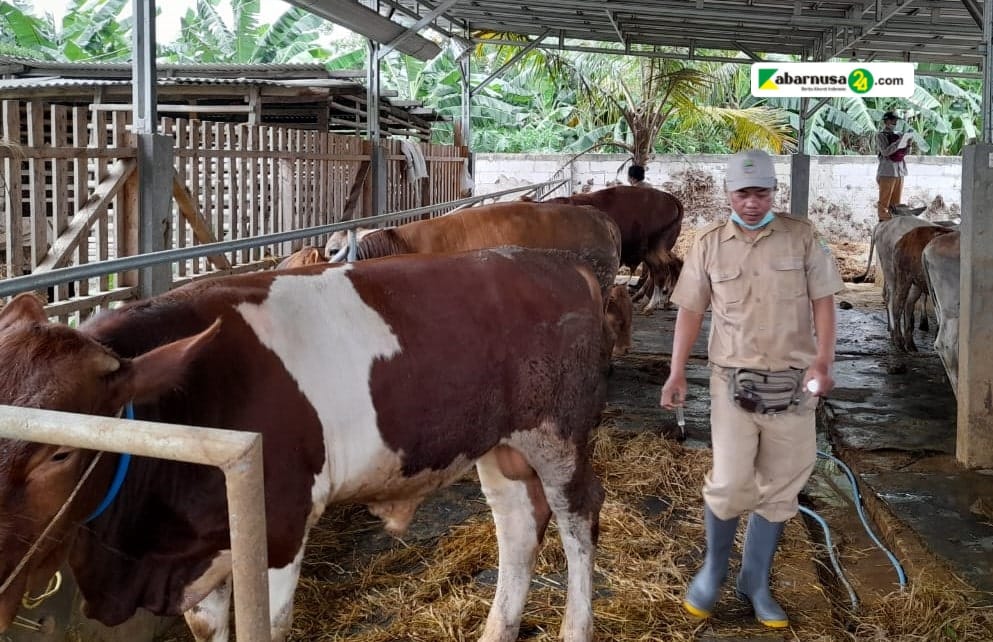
x: 40, y: 280
x: 238, y: 455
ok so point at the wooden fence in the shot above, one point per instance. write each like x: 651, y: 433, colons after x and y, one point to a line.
x: 68, y: 182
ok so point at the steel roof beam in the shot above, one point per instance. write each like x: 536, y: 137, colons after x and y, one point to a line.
x: 412, y: 30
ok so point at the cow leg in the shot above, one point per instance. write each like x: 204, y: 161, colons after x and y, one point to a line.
x: 924, y: 325
x: 645, y: 283
x: 282, y: 587
x: 520, y: 514
x: 575, y: 496
x: 209, y: 621
x: 895, y: 307
x: 908, y: 319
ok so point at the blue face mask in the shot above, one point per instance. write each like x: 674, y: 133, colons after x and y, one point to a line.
x: 758, y: 226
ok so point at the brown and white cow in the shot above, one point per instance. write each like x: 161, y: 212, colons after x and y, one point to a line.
x: 909, y: 282
x: 942, y: 267
x: 492, y: 357
x: 650, y: 221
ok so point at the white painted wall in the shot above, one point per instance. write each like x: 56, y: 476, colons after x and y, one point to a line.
x: 843, y: 189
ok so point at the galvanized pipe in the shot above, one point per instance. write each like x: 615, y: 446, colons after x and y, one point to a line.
x: 39, y: 280
x: 237, y: 454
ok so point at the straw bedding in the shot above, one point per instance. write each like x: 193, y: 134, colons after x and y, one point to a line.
x: 437, y: 583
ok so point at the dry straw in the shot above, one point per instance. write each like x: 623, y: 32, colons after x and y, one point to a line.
x: 361, y: 586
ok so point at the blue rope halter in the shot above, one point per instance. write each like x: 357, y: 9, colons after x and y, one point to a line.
x: 119, y: 474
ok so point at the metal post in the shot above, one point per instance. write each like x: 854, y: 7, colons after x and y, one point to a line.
x: 378, y: 162
x: 155, y: 171
x: 987, y: 73
x: 145, y: 118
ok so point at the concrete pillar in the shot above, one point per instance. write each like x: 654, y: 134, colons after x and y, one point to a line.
x: 155, y: 171
x: 974, y: 443
x: 799, y: 184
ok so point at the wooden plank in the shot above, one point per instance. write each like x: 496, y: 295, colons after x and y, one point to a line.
x: 99, y: 141
x: 217, y: 179
x: 60, y: 185
x: 286, y: 209
x: 201, y: 228
x: 95, y: 207
x: 84, y: 305
x: 238, y: 202
x: 355, y: 194
x: 72, y: 153
x: 288, y: 153
x: 127, y: 214
x: 201, y: 171
x: 80, y: 187
x: 38, y: 209
x: 181, y: 175
x: 253, y: 211
x: 14, y: 245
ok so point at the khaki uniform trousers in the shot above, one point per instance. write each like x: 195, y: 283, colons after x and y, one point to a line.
x: 761, y: 462
x: 890, y: 193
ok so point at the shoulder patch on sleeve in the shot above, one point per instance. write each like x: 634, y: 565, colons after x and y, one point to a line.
x: 710, y: 227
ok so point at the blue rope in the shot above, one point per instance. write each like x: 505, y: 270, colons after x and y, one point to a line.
x: 834, y: 560
x: 901, y: 576
x: 119, y: 474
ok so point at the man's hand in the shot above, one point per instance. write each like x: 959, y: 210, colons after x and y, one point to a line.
x: 822, y: 375
x: 674, y: 391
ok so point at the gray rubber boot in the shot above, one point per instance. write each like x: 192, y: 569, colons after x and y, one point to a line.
x: 761, y: 541
x: 706, y: 586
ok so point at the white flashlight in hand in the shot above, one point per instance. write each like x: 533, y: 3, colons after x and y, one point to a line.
x: 813, y: 387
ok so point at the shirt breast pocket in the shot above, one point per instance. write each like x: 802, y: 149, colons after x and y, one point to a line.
x: 790, y: 277
x: 728, y: 286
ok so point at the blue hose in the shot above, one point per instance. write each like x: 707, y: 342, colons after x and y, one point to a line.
x: 901, y: 576
x: 834, y: 560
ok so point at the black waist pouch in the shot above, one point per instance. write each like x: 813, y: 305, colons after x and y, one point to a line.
x: 764, y: 392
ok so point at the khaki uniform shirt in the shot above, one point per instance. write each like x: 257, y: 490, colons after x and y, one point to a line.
x: 759, y: 291
x: 884, y: 148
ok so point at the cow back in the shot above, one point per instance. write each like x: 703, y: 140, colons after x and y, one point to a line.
x: 648, y: 218
x: 583, y: 231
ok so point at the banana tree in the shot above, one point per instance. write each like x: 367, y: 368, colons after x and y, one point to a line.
x: 91, y: 30
x: 206, y: 37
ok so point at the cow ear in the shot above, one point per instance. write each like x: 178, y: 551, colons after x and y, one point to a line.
x: 23, y: 308
x: 163, y: 369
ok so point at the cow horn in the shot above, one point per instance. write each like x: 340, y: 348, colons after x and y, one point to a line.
x: 340, y: 255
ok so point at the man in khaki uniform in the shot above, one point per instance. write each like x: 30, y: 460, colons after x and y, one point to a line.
x: 770, y: 283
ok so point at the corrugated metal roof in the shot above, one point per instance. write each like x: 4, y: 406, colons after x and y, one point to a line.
x: 939, y: 31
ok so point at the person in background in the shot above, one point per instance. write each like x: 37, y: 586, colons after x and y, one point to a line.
x: 770, y: 283
x: 891, y: 149
x: 636, y: 176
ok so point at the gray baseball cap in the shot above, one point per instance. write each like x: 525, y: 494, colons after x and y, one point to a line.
x: 751, y: 168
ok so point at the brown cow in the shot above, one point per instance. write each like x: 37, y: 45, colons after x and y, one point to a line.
x: 307, y: 255
x: 909, y: 282
x: 619, y: 313
x: 433, y: 372
x: 650, y: 221
x: 582, y: 230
